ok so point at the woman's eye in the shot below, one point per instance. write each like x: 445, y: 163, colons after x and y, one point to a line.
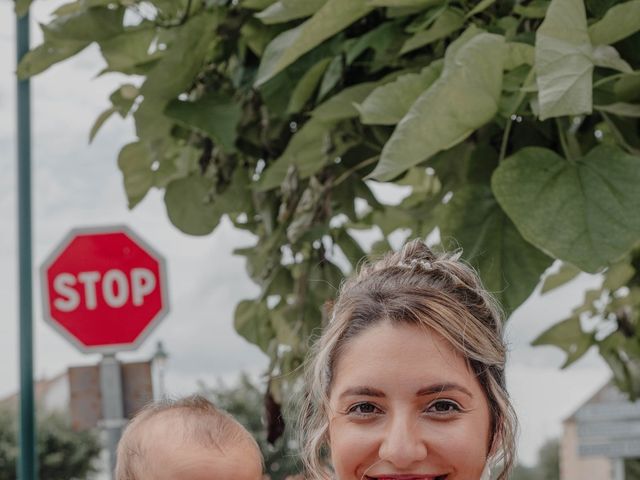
x: 444, y: 406
x: 365, y: 408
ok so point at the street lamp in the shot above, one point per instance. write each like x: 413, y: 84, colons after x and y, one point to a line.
x: 160, y: 358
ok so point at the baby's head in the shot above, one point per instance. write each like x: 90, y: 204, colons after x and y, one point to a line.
x: 188, y: 439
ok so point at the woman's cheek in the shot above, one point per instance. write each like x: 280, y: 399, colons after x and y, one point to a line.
x: 354, y: 449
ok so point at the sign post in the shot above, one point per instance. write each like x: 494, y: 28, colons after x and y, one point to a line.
x: 104, y: 289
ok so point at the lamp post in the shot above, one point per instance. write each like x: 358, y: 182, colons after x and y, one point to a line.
x: 160, y: 358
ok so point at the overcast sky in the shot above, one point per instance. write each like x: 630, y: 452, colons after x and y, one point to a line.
x: 76, y: 184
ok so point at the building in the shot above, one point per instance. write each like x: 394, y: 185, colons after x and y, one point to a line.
x: 599, y: 431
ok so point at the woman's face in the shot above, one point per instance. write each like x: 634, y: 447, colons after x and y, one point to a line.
x: 405, y: 406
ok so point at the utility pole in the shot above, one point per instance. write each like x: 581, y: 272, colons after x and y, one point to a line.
x: 27, y: 463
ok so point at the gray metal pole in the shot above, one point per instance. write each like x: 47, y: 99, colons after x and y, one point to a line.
x: 27, y: 463
x: 112, y: 406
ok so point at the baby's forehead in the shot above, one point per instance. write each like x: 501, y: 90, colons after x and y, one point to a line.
x: 195, y: 462
x: 174, y: 428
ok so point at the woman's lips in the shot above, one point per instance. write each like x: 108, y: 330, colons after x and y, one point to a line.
x: 406, y: 477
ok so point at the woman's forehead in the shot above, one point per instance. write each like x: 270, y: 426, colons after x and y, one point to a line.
x: 400, y: 355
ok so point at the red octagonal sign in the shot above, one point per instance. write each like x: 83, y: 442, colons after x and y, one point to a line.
x: 104, y: 289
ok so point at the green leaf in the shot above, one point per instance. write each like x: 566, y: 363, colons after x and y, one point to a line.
x: 480, y: 7
x: 627, y: 88
x: 509, y: 266
x: 256, y: 4
x: 448, y: 22
x: 287, y: 10
x: 389, y: 103
x: 123, y: 98
x: 287, y: 47
x: 618, y: 275
x: 568, y: 336
x: 306, y: 86
x: 566, y: 273
x: 174, y: 72
x: 190, y: 206
x: 403, y: 3
x: 464, y: 98
x: 135, y: 163
x: 128, y: 50
x: 619, y: 22
x: 381, y: 40
x: 47, y: 54
x: 331, y: 76
x: 22, y: 7
x: 151, y: 122
x: 103, y: 117
x: 563, y: 61
x: 306, y: 150
x: 518, y: 54
x: 608, y: 57
x: 535, y: 9
x: 252, y: 321
x: 620, y: 109
x: 582, y: 212
x: 349, y: 246
x: 343, y: 105
x: 88, y: 25
x: 216, y: 115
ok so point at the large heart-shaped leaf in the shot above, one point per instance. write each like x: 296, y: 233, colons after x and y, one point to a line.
x: 584, y: 212
x: 464, y: 98
x: 510, y: 267
x: 287, y: 47
x: 563, y: 61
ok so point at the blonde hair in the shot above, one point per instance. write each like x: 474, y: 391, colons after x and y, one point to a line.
x: 201, y: 422
x: 413, y: 286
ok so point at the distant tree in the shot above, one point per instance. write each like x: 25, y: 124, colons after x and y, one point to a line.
x: 245, y: 402
x: 62, y: 453
x: 524, y: 473
x: 632, y: 468
x: 547, y: 467
x: 549, y: 461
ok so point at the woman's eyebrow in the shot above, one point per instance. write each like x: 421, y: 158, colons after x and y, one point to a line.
x: 442, y: 387
x: 362, y: 391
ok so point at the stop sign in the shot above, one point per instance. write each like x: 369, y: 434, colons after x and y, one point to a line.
x: 104, y: 289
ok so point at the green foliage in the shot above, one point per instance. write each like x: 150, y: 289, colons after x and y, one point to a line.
x: 547, y: 466
x: 245, y: 402
x: 62, y: 453
x: 513, y: 126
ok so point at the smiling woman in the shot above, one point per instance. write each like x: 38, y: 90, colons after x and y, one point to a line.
x: 407, y: 380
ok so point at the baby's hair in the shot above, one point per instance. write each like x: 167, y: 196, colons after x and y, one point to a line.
x: 199, y: 422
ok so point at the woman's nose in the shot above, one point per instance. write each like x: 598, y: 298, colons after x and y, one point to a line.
x: 403, y: 443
